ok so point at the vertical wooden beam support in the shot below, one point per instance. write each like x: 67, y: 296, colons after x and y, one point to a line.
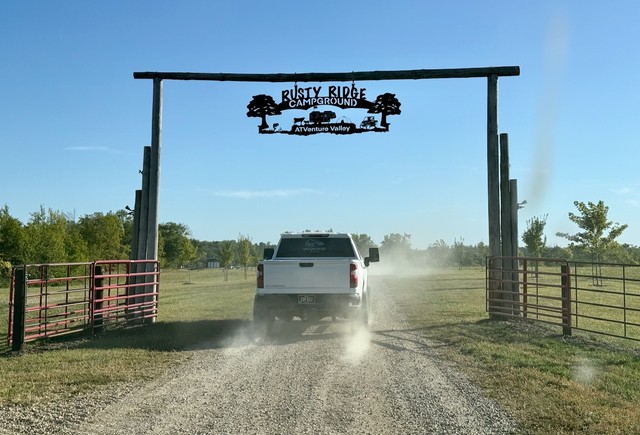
x: 493, y: 183
x: 135, y: 227
x: 513, y: 190
x: 154, y: 186
x: 154, y: 174
x: 505, y: 223
x: 505, y: 197
x: 136, y: 238
x: 493, y: 187
x: 515, y: 279
x: 144, y: 205
x: 142, y: 211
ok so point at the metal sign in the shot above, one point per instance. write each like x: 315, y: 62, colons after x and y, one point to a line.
x: 324, y: 121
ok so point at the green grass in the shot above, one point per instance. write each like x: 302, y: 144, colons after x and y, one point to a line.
x: 618, y: 288
x: 195, y: 307
x: 550, y: 383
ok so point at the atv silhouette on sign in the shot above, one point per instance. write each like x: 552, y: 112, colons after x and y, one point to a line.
x: 369, y: 122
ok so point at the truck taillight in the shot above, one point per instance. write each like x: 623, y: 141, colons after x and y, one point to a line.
x: 353, y: 280
x: 260, y: 276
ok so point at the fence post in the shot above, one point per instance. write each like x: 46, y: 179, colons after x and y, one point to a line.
x: 566, y: 299
x: 19, y: 308
x: 525, y: 288
x: 98, y: 294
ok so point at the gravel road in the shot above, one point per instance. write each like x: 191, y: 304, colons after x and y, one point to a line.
x: 319, y: 378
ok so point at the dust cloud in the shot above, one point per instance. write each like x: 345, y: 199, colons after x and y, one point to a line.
x: 550, y: 103
x: 357, y: 344
x: 585, y: 372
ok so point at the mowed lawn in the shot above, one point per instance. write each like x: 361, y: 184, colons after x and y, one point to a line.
x: 550, y: 383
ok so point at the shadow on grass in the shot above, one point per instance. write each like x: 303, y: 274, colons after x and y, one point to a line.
x: 181, y: 336
x: 509, y: 331
x: 171, y: 336
x: 161, y: 336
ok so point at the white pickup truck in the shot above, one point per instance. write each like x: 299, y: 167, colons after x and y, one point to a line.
x: 311, y: 276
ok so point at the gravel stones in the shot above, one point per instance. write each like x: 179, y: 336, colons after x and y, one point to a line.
x: 320, y: 378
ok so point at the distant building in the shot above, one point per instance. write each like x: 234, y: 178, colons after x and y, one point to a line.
x: 211, y: 263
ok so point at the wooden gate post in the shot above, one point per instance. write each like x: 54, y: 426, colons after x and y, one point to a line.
x: 493, y: 190
x: 505, y: 227
x: 515, y: 278
x: 154, y: 189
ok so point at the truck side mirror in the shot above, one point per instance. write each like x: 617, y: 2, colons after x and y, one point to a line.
x: 374, y: 256
x: 268, y: 253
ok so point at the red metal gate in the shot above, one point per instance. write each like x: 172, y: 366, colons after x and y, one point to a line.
x: 601, y: 298
x: 48, y: 300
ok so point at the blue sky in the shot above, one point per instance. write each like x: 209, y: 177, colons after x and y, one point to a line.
x: 73, y: 121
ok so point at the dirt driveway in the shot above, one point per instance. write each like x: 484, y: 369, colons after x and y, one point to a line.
x: 318, y: 378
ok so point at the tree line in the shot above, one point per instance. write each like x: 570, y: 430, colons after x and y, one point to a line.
x: 52, y: 236
x: 595, y: 242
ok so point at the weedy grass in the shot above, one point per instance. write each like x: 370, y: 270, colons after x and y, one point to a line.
x: 550, y: 383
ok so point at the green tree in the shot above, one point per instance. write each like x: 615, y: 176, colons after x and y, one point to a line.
x: 243, y: 254
x: 11, y: 237
x: 177, y: 248
x: 103, y: 234
x: 45, y: 235
x: 534, y: 238
x: 459, y: 252
x: 188, y: 252
x: 126, y: 222
x: 207, y: 250
x: 76, y: 247
x: 438, y: 253
x: 594, y: 238
x: 226, y: 257
x: 396, y: 241
x: 363, y: 243
x: 396, y: 248
x: 5, y: 272
x: 481, y: 252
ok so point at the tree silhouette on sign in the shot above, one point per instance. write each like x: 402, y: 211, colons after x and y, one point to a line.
x: 386, y: 104
x: 261, y: 106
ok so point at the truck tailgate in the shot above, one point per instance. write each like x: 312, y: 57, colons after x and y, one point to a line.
x: 301, y: 275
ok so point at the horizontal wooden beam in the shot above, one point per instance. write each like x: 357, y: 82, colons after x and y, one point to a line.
x: 416, y: 74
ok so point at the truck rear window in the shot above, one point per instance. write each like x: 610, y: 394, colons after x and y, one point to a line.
x: 315, y: 247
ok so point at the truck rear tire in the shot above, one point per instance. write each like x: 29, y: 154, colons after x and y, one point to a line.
x: 361, y: 317
x: 364, y: 315
x: 261, y: 316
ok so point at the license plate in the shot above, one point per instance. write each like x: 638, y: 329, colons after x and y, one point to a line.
x: 306, y: 299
